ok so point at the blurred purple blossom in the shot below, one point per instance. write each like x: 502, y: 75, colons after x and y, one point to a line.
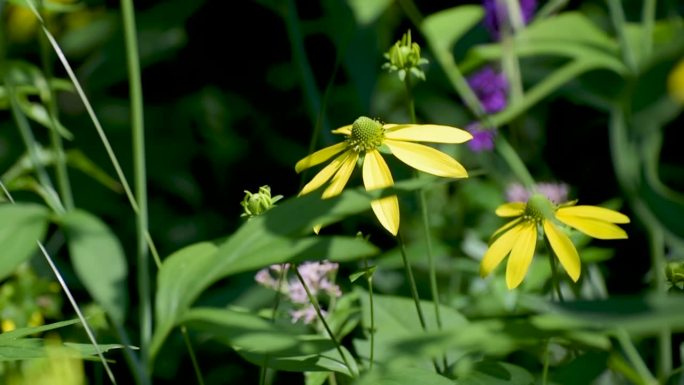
x: 491, y: 87
x: 483, y: 139
x: 496, y: 14
x: 555, y: 192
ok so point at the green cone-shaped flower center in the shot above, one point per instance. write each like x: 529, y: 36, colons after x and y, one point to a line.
x: 366, y: 134
x: 538, y: 208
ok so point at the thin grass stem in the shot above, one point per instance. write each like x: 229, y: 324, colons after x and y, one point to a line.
x: 193, y: 357
x: 85, y: 324
x: 617, y: 16
x: 140, y: 176
x: 664, y: 336
x: 369, y: 280
x: 61, y: 170
x: 634, y: 357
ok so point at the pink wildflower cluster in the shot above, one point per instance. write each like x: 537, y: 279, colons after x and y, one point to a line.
x: 318, y: 277
x: 555, y: 192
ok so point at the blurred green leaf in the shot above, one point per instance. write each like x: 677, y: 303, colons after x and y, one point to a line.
x: 99, y: 261
x: 367, y: 11
x: 582, y: 370
x: 403, y: 376
x: 282, y: 347
x: 22, y: 225
x: 496, y: 373
x: 638, y: 315
x: 23, y: 332
x: 444, y: 28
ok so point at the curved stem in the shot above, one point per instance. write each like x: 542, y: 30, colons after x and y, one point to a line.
x: 193, y: 358
x: 514, y: 162
x: 369, y: 279
x: 633, y: 356
x: 316, y: 306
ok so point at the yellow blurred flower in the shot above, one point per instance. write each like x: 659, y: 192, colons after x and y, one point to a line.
x: 519, y: 236
x: 364, y: 138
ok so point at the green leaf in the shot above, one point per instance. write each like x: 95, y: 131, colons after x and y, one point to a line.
x: 22, y: 225
x: 496, y: 373
x: 282, y: 347
x: 99, y: 261
x: 367, y: 11
x: 404, y: 376
x: 23, y: 332
x: 444, y: 28
x: 569, y: 35
x: 638, y: 315
x: 399, y: 337
x: 274, y: 237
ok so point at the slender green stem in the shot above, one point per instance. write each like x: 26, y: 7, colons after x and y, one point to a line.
x: 193, y: 358
x: 317, y: 307
x: 74, y: 304
x: 131, y: 358
x: 32, y: 147
x: 648, y: 19
x: 514, y: 162
x: 140, y: 177
x: 412, y: 282
x: 633, y: 356
x: 61, y: 170
x: 550, y: 8
x: 263, y: 371
x: 664, y: 337
x: 414, y: 289
x: 555, y: 277
x: 617, y: 16
x: 369, y: 280
x: 424, y: 214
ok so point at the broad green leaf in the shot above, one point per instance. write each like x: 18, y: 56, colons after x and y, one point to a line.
x: 326, y: 361
x: 496, y: 373
x: 99, y: 261
x: 404, y: 376
x: 644, y: 316
x: 244, y: 330
x: 399, y: 337
x: 444, y: 28
x: 282, y: 347
x: 275, y: 237
x: 22, y: 225
x: 582, y: 370
x: 367, y: 11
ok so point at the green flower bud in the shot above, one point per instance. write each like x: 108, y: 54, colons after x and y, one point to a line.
x: 674, y: 271
x: 404, y: 58
x: 258, y: 203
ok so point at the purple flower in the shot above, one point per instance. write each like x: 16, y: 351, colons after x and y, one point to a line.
x: 555, y: 192
x: 483, y: 139
x: 491, y: 88
x: 496, y: 14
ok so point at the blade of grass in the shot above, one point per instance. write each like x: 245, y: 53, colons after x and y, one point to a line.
x: 61, y: 170
x: 140, y: 175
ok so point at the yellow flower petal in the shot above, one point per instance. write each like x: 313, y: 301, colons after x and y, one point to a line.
x: 505, y: 227
x: 426, y: 159
x: 429, y: 133
x: 521, y: 255
x: 320, y: 156
x: 498, y: 251
x: 594, y: 212
x: 593, y: 227
x: 512, y: 209
x: 324, y: 175
x: 377, y: 175
x: 564, y: 250
x: 344, y: 130
x: 342, y: 176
